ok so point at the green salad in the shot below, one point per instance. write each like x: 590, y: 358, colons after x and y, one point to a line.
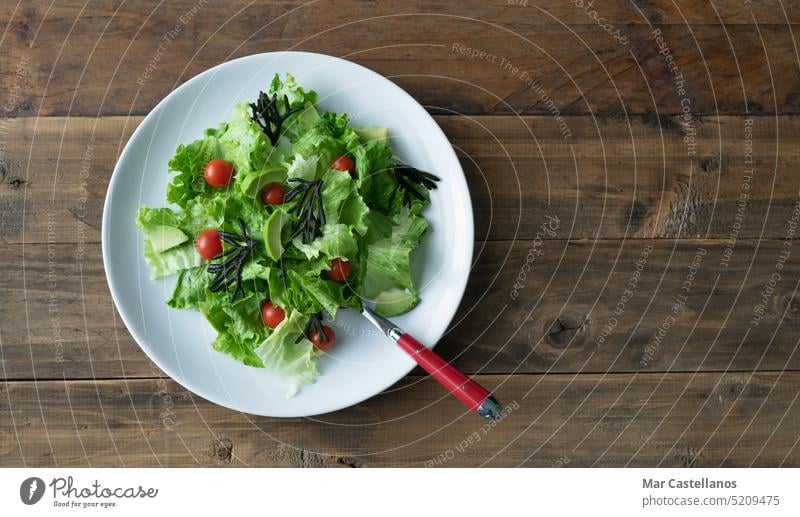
x: 279, y: 218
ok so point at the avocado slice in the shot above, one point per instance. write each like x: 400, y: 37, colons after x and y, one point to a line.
x: 272, y: 233
x: 254, y: 183
x: 163, y: 237
x: 393, y: 302
x: 367, y: 134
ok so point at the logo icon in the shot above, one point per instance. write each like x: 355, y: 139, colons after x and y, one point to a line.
x: 31, y: 490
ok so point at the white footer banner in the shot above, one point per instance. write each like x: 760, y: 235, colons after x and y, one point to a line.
x: 355, y: 492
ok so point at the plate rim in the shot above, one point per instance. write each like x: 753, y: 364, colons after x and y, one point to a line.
x: 115, y: 175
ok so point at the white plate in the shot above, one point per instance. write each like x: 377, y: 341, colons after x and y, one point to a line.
x: 362, y: 363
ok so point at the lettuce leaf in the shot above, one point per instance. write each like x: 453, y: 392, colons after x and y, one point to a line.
x: 333, y: 124
x: 296, y: 94
x: 326, y: 295
x: 343, y: 204
x: 388, y: 259
x: 241, y: 351
x: 376, y: 183
x: 354, y: 213
x: 190, y: 289
x: 287, y: 351
x: 238, y: 325
x: 200, y: 213
x: 171, y: 261
x: 301, y: 121
x: 244, y: 142
x: 336, y: 241
x: 303, y: 168
x: 188, y: 164
x: 148, y: 218
x: 250, y: 210
x: 324, y: 141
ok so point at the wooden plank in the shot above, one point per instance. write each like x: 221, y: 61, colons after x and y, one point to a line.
x: 115, y: 58
x: 551, y: 306
x: 617, y: 178
x: 674, y: 420
x: 543, y: 12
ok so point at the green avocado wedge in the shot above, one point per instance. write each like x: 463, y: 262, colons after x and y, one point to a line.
x: 163, y: 237
x: 273, y: 229
x: 368, y: 134
x: 253, y: 184
x: 394, y: 302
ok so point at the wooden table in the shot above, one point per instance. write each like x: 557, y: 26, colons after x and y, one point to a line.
x: 634, y: 295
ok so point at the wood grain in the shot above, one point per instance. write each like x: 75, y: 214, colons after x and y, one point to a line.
x: 561, y: 316
x: 674, y: 420
x: 122, y: 57
x: 656, y: 323
x: 617, y: 178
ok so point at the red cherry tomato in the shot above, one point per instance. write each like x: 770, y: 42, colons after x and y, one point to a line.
x: 273, y: 194
x: 208, y: 244
x: 317, y: 340
x: 218, y: 173
x: 344, y: 163
x: 272, y: 315
x: 339, y: 271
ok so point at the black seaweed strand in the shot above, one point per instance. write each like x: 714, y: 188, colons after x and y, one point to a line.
x: 308, y: 209
x: 264, y: 112
x: 411, y: 179
x: 229, y: 272
x: 314, y: 324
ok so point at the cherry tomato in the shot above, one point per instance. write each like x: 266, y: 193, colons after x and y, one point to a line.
x: 273, y: 194
x: 339, y: 271
x: 344, y: 163
x: 218, y: 173
x: 272, y: 315
x: 316, y: 338
x: 208, y: 244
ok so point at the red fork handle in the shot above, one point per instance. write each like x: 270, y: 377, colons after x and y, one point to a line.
x: 469, y: 392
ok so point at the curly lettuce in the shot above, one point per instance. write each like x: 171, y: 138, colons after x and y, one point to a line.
x: 368, y: 223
